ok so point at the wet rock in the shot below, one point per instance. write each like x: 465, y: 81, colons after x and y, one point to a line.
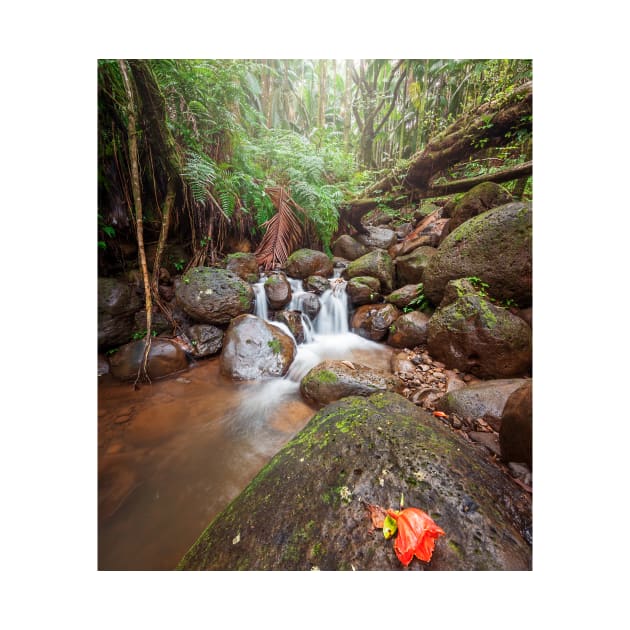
x: 205, y: 339
x: 377, y: 236
x: 213, y: 296
x: 363, y: 290
x: 103, y: 365
x: 485, y: 399
x: 332, y: 380
x: 516, y: 429
x: 454, y: 381
x: 165, y: 357
x: 376, y: 264
x: 477, y: 200
x: 405, y: 295
x: 303, y: 263
x: 473, y: 335
x: 526, y: 314
x: 307, y: 508
x: 310, y: 305
x: 117, y: 303
x: 372, y: 321
x: 410, y: 268
x: 409, y: 330
x: 252, y: 349
x: 278, y: 291
x: 495, y: 246
x: 489, y: 440
x: 316, y: 284
x: 349, y: 248
x: 244, y: 265
x: 293, y: 321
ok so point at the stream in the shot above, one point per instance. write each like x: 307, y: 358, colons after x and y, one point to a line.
x: 174, y: 453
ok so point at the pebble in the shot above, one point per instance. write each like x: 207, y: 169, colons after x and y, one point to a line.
x: 181, y: 379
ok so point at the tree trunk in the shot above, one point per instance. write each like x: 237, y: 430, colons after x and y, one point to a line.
x: 347, y: 109
x: 486, y: 125
x: 137, y: 202
x: 321, y: 117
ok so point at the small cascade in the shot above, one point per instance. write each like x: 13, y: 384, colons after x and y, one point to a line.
x: 332, y: 318
x: 261, y: 309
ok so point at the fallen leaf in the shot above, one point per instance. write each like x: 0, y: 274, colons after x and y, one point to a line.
x: 349, y: 364
x: 390, y: 527
x: 377, y: 514
x: 440, y: 414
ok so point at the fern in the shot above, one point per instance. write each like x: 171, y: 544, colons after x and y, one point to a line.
x: 200, y: 172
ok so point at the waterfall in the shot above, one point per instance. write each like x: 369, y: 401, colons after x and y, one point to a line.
x: 332, y: 318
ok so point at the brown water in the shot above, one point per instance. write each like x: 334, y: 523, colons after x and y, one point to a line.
x: 173, y: 454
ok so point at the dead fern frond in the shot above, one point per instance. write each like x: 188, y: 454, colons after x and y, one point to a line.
x: 283, y: 231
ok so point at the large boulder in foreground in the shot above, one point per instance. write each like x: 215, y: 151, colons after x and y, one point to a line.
x: 470, y: 333
x: 165, y: 357
x: 214, y: 296
x: 377, y: 264
x: 252, y: 349
x: 307, y: 508
x: 495, y: 246
x: 332, y: 380
x: 117, y: 304
x: 303, y: 263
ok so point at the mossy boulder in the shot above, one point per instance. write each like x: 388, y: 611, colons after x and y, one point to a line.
x: 165, y: 357
x: 213, y: 296
x: 117, y: 304
x: 303, y: 263
x: 307, y: 508
x: 470, y: 333
x: 332, y: 380
x: 372, y: 321
x: 409, y: 330
x: 253, y: 349
x: 515, y: 436
x: 293, y: 321
x: 244, y: 265
x: 477, y: 200
x: 349, y: 248
x: 410, y: 267
x: 495, y: 246
x: 363, y: 290
x: 278, y: 291
x: 376, y: 264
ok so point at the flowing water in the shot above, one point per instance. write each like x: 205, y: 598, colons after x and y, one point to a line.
x: 174, y: 453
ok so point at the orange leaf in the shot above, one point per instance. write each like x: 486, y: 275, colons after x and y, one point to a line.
x: 440, y: 414
x: 417, y: 533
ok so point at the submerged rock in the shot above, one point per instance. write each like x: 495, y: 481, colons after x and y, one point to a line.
x: 307, y: 508
x: 252, y: 349
x: 332, y: 380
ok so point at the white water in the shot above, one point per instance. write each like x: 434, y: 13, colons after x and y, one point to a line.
x: 327, y: 337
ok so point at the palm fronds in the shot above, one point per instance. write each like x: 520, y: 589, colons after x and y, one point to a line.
x: 284, y: 230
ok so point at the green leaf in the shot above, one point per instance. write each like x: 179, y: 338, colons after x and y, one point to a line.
x: 389, y: 527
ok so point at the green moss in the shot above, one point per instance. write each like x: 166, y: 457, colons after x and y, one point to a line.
x: 275, y: 345
x: 326, y: 376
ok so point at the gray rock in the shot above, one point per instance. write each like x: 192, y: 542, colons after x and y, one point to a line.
x: 165, y: 357
x: 205, y: 339
x: 117, y: 304
x: 378, y: 236
x: 372, y: 321
x: 349, y: 248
